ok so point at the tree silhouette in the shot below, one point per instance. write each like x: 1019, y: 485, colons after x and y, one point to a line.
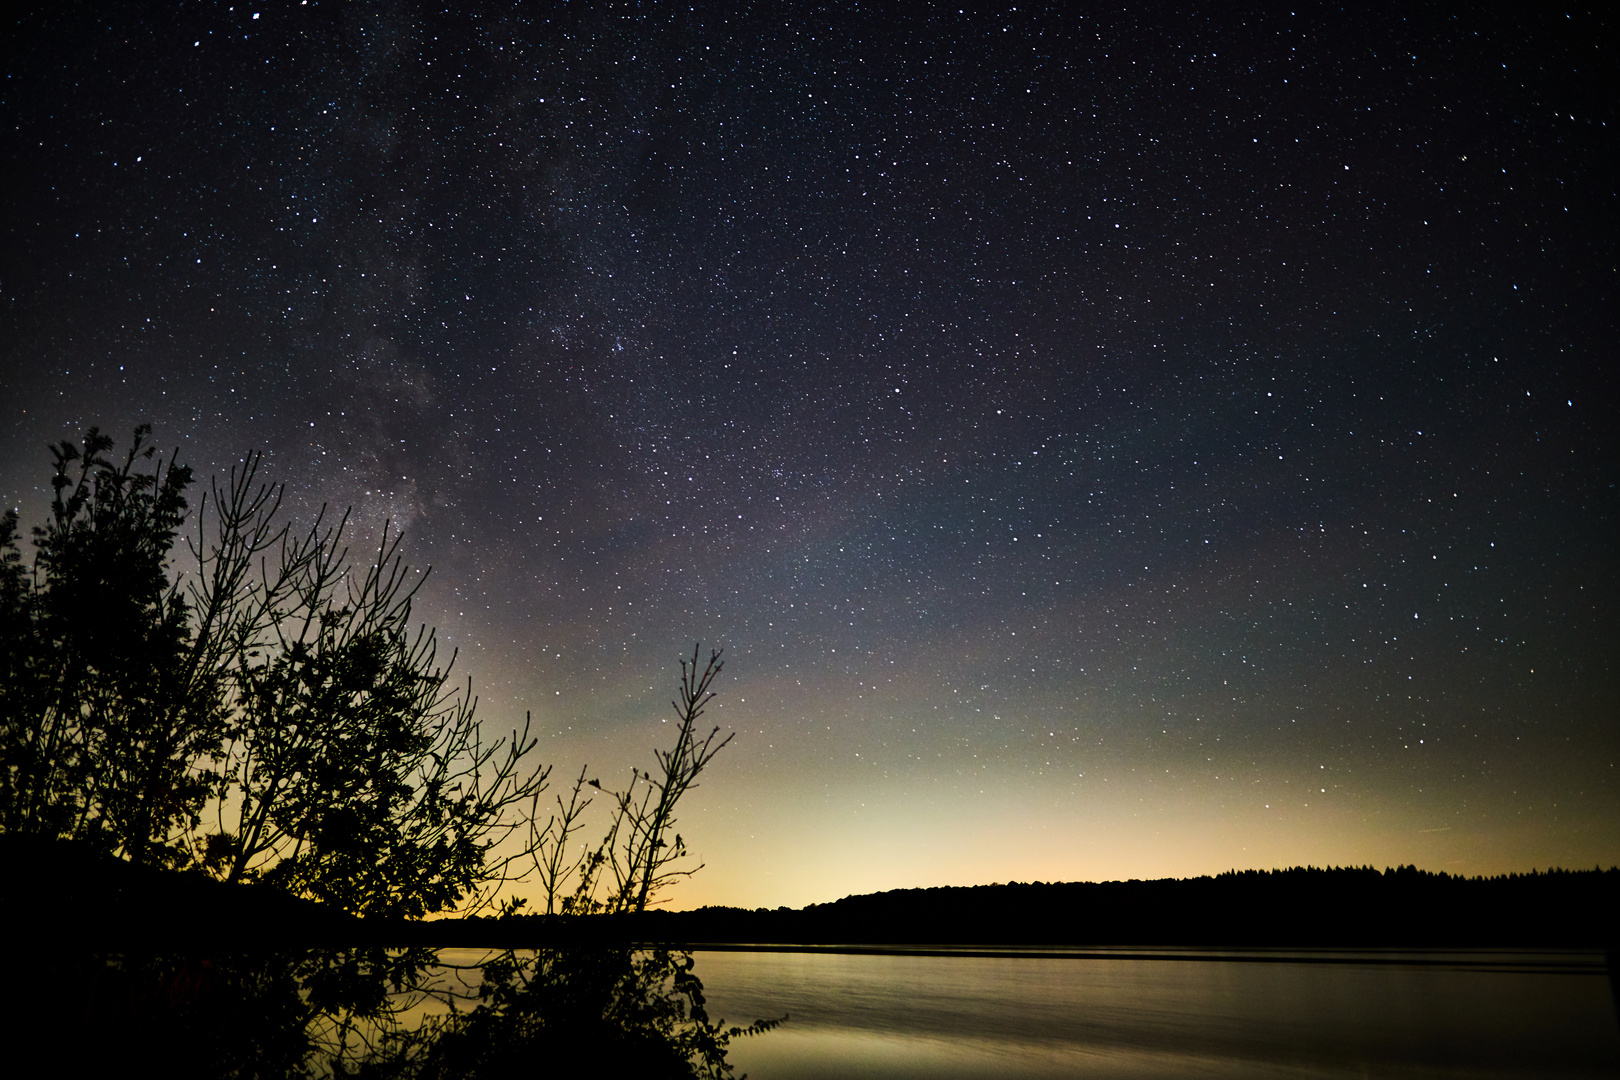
x: 104, y: 737
x: 272, y: 716
x: 632, y: 862
x: 360, y: 774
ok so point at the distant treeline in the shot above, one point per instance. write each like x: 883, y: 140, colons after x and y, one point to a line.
x: 1302, y: 906
x: 62, y: 891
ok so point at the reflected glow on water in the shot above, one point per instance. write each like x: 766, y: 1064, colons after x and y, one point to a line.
x: 902, y: 1016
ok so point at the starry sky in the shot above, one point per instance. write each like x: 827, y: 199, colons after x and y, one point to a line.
x: 1107, y: 441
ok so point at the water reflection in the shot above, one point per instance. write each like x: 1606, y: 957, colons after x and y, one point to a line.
x: 898, y: 1016
x: 200, y: 1015
x: 381, y: 1013
x: 611, y: 1011
x: 614, y: 1011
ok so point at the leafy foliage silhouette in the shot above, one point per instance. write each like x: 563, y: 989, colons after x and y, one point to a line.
x: 271, y: 716
x: 102, y: 729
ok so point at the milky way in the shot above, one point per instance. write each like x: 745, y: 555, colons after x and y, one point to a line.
x: 1123, y: 445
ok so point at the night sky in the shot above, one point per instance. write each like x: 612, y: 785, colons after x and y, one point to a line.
x: 1124, y: 444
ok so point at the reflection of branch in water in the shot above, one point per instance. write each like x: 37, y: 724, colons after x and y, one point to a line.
x: 192, y: 1014
x: 612, y: 1009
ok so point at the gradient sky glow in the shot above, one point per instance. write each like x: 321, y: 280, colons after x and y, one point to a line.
x: 1121, y: 444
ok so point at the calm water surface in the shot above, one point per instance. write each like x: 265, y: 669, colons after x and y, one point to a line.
x: 898, y: 1015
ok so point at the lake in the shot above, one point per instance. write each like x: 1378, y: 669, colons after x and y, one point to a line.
x: 1166, y: 1013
